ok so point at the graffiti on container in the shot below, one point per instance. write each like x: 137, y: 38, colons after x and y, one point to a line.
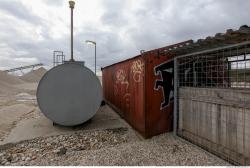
x: 137, y: 70
x: 127, y: 99
x: 166, y: 83
x: 121, y: 78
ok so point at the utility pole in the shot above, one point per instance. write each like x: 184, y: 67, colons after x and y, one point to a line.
x: 72, y: 5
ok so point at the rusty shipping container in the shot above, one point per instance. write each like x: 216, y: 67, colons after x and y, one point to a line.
x: 141, y: 89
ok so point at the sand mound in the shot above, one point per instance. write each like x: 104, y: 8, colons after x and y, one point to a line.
x: 34, y: 76
x: 7, y: 83
x: 10, y: 79
x: 6, y: 88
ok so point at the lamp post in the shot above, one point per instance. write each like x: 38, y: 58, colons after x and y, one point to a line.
x: 92, y: 43
x: 71, y: 6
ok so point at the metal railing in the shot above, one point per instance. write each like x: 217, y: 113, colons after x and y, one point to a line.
x: 58, y: 58
x: 227, y: 67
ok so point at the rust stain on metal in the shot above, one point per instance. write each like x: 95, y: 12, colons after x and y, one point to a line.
x: 123, y: 89
x: 159, y: 94
x: 140, y: 89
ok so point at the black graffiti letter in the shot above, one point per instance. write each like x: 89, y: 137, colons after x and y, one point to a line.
x: 166, y: 70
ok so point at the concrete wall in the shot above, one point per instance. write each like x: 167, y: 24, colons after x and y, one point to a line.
x: 218, y: 120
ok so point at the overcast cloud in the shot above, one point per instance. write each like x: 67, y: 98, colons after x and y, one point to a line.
x: 30, y: 30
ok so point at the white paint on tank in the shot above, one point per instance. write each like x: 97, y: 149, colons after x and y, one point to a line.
x: 69, y: 94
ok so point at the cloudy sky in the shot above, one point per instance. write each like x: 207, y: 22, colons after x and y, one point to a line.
x: 31, y: 29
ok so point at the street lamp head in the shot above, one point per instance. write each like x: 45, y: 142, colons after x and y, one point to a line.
x: 90, y: 42
x: 71, y: 4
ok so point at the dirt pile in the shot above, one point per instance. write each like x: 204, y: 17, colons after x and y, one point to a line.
x: 7, y: 83
x: 34, y: 76
x: 6, y: 88
x: 10, y: 79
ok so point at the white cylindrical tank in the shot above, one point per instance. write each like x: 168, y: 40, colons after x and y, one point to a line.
x: 69, y: 94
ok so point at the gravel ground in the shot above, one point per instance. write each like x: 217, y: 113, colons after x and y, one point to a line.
x: 106, y: 147
x: 51, y: 149
x: 159, y: 151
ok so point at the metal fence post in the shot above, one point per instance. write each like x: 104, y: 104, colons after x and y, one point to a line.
x: 175, y: 95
